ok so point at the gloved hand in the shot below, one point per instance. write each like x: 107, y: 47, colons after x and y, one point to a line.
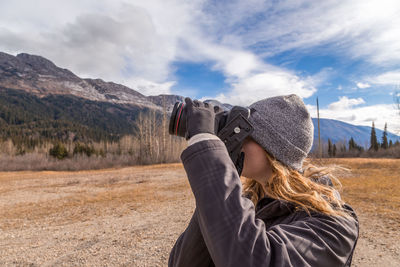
x: 200, y: 118
x: 220, y: 118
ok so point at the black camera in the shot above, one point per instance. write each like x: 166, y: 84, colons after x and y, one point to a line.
x: 232, y: 127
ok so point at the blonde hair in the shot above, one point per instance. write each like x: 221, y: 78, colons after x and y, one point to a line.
x: 302, y: 190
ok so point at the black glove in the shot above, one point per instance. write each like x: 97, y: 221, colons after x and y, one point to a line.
x: 220, y: 118
x: 200, y: 118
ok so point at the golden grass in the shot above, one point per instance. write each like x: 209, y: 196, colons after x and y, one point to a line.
x: 117, y: 200
x: 107, y: 193
x: 372, y: 186
x: 23, y: 175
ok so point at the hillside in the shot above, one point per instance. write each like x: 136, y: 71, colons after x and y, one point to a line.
x: 40, y: 101
x: 29, y: 118
x: 339, y: 131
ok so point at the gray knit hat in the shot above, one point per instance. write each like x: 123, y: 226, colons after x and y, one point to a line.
x: 283, y: 127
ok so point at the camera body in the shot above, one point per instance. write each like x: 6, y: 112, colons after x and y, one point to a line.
x: 232, y: 127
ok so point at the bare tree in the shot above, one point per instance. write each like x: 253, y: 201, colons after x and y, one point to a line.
x: 164, y: 129
x: 142, y: 135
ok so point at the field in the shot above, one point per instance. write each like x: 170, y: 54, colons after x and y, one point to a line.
x: 132, y: 216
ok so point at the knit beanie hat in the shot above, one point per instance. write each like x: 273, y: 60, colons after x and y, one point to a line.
x: 283, y: 127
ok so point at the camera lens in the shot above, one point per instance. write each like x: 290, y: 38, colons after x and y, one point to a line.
x: 177, y: 122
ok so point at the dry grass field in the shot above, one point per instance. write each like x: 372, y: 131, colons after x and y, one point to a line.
x: 132, y: 216
x: 373, y: 189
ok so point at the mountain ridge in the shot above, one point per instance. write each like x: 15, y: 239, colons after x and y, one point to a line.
x: 38, y: 75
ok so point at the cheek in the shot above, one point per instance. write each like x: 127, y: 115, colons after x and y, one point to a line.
x: 255, y: 161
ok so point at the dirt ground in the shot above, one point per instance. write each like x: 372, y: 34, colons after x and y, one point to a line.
x: 132, y: 216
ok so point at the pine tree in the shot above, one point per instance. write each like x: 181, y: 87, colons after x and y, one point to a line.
x: 351, y: 144
x: 334, y: 150
x: 374, y: 140
x: 390, y: 143
x: 385, y: 144
x: 329, y: 148
x: 354, y: 146
x: 58, y: 151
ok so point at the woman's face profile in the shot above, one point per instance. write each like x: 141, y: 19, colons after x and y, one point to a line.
x: 256, y: 165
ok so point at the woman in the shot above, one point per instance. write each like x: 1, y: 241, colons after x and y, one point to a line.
x: 284, y: 216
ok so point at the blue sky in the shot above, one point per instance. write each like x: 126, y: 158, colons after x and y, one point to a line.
x: 346, y: 53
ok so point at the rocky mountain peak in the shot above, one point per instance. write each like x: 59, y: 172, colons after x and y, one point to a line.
x: 10, y: 63
x: 36, y: 61
x: 6, y: 58
x: 44, y: 66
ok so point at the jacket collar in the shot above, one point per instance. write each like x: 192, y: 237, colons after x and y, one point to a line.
x: 268, y: 208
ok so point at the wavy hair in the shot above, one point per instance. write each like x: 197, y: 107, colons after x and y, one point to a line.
x: 304, y: 190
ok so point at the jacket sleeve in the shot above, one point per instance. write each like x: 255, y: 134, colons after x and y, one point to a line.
x: 232, y: 234
x: 190, y: 249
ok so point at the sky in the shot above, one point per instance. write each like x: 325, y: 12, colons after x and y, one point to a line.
x: 346, y: 53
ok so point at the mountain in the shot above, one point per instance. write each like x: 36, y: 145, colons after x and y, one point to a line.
x: 40, y: 101
x: 40, y: 76
x: 339, y: 131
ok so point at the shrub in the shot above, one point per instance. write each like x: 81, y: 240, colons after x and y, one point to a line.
x: 83, y: 149
x: 58, y: 151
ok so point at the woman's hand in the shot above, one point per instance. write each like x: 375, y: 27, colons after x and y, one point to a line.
x: 200, y: 117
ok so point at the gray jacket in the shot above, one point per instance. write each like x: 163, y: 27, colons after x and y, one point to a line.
x: 227, y: 230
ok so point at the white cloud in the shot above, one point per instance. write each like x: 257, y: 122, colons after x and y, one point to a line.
x: 147, y: 87
x: 232, y: 62
x: 345, y: 103
x: 267, y: 84
x: 321, y: 77
x: 135, y: 42
x: 363, y: 85
x: 270, y: 81
x: 367, y: 29
x: 387, y: 78
x: 113, y: 40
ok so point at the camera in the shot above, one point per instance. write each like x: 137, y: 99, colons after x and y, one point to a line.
x: 232, y: 127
